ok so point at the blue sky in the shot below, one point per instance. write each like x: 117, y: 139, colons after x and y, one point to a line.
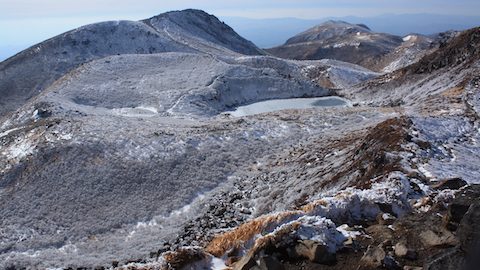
x: 26, y: 22
x: 18, y: 9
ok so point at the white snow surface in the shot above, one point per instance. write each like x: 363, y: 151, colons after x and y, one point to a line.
x: 318, y: 229
x: 407, y: 38
x: 456, y: 148
x: 353, y: 204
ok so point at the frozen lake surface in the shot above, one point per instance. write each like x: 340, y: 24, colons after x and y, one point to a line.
x: 289, y: 103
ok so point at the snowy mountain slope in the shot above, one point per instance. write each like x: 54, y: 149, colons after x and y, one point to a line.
x: 328, y: 74
x: 335, y: 74
x: 394, y: 180
x: 31, y: 71
x: 358, y: 44
x: 413, y: 48
x: 130, y: 161
x: 28, y: 73
x: 91, y: 139
x: 93, y: 133
x: 116, y: 84
x: 202, y: 31
x: 435, y: 75
x: 440, y: 91
x: 328, y: 30
x: 341, y: 41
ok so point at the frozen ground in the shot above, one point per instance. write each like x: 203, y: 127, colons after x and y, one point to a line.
x: 101, y: 166
x: 128, y: 156
x: 113, y: 152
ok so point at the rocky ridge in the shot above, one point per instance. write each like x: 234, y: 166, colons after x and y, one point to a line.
x: 359, y: 45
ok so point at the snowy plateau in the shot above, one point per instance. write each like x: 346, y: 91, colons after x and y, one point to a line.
x: 174, y: 143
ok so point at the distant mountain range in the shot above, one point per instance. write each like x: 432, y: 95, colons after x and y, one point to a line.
x: 267, y: 33
x: 358, y: 44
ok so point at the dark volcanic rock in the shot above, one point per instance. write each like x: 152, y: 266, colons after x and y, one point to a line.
x: 314, y: 251
x: 460, y: 205
x: 452, y: 259
x: 469, y: 230
x: 452, y: 183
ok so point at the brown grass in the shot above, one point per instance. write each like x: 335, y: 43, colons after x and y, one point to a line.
x: 370, y: 158
x: 453, y: 92
x: 308, y: 208
x: 270, y: 240
x: 183, y: 256
x: 244, y: 233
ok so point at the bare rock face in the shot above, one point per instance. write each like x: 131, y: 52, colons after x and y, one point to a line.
x: 460, y: 206
x: 269, y: 262
x: 452, y: 183
x: 452, y: 259
x: 401, y: 250
x: 438, y: 237
x: 469, y: 230
x: 314, y: 251
x: 373, y: 258
x: 262, y: 262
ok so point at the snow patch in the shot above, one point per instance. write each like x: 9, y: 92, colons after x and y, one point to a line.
x: 318, y: 229
x: 5, y: 133
x: 355, y: 204
x: 407, y: 38
x: 425, y: 172
x: 347, y: 232
x: 218, y: 264
x: 67, y: 136
x: 19, y: 149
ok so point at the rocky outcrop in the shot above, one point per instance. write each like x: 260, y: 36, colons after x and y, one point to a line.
x: 463, y: 49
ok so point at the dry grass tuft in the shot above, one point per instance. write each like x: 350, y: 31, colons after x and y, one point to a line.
x: 274, y: 239
x: 453, y: 92
x: 183, y: 256
x: 240, y: 236
x: 308, y: 208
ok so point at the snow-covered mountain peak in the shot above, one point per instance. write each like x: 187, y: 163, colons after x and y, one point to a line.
x: 329, y: 30
x: 201, y: 25
x: 31, y: 71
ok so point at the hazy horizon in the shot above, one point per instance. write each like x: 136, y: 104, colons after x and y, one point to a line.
x: 23, y: 24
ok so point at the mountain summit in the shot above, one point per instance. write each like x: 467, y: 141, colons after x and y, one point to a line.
x: 355, y: 43
x: 201, y: 26
x: 332, y: 31
x: 26, y: 74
